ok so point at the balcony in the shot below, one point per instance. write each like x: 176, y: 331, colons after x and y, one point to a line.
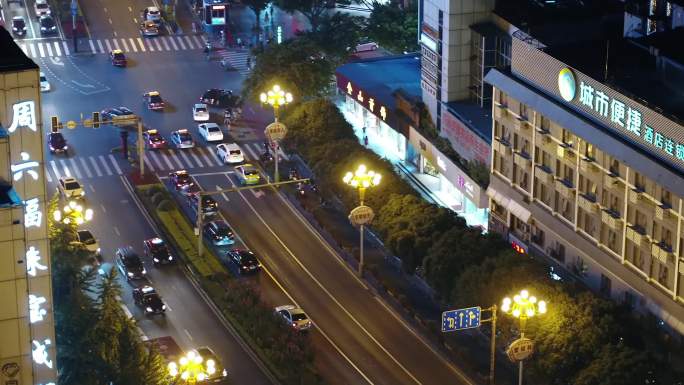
x: 637, y: 234
x: 502, y: 146
x: 612, y: 219
x: 500, y: 111
x: 587, y: 165
x: 636, y: 195
x: 523, y: 160
x: 613, y: 178
x: 661, y: 251
x: 588, y: 203
x: 565, y: 189
x: 545, y: 174
x: 522, y: 123
x: 664, y: 212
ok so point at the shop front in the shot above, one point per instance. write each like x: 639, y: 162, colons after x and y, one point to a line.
x: 450, y: 183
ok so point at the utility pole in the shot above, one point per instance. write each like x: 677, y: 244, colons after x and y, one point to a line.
x: 200, y: 243
x: 74, y: 12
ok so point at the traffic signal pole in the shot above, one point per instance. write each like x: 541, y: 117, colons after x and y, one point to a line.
x: 141, y: 148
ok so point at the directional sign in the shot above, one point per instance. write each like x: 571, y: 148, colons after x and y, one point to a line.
x: 460, y: 319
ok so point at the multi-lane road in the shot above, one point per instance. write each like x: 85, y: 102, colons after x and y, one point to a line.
x: 358, y: 339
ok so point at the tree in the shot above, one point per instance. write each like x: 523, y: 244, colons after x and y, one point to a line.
x: 110, y: 324
x: 257, y: 6
x: 617, y: 365
x: 337, y: 35
x: 154, y: 368
x: 313, y: 10
x: 394, y: 28
x: 296, y: 65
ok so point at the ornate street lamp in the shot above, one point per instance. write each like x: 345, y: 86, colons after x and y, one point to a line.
x: 191, y: 368
x: 73, y: 212
x: 276, y: 131
x: 523, y: 306
x: 361, y: 180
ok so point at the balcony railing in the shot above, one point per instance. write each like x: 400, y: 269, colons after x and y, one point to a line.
x: 612, y: 219
x: 661, y: 251
x: 637, y: 234
x: 565, y: 188
x: 588, y: 203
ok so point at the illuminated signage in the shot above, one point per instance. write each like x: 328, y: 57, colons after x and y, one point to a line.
x: 40, y: 353
x: 518, y: 248
x: 36, y: 312
x: 566, y: 84
x: 33, y: 261
x: 350, y: 89
x: 32, y: 215
x: 24, y: 115
x: 19, y: 168
x: 428, y: 42
x: 383, y: 113
x: 370, y: 103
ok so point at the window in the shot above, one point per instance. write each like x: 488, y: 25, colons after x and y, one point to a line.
x: 589, y: 151
x: 523, y: 180
x: 537, y: 236
x: 639, y: 181
x: 498, y: 209
x: 545, y: 124
x: 615, y: 167
x: 503, y: 98
x: 523, y: 111
x: 604, y: 289
x: 568, y: 137
x: 666, y: 197
x: 629, y: 299
x: 663, y: 273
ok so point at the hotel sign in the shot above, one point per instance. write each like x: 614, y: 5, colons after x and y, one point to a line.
x: 368, y: 101
x: 630, y: 119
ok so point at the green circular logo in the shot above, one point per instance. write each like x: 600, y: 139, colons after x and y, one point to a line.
x: 566, y: 84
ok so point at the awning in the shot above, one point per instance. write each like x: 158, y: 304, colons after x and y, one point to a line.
x: 509, y: 204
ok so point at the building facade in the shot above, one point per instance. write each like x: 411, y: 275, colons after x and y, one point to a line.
x: 590, y: 178
x: 27, y: 340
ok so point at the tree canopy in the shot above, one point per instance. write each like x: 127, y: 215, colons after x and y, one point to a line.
x: 394, y: 28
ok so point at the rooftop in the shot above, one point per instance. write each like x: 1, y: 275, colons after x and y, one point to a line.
x: 557, y: 21
x: 477, y: 118
x: 13, y: 58
x: 382, y: 77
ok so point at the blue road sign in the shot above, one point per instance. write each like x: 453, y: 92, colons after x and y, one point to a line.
x: 460, y: 319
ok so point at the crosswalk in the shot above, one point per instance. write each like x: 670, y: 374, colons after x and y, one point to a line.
x: 162, y: 160
x: 43, y: 49
x: 237, y: 59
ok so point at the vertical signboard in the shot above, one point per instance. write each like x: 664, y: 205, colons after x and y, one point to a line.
x: 28, y: 354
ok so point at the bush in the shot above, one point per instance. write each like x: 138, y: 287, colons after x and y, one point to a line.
x: 165, y: 205
x: 157, y: 198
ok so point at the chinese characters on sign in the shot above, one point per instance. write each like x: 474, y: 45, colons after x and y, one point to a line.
x: 32, y: 215
x: 40, y: 353
x: 366, y: 101
x: 26, y: 165
x: 24, y: 116
x: 33, y: 261
x: 36, y: 313
x: 628, y: 119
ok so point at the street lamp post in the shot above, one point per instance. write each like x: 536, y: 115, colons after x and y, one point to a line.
x: 361, y: 179
x: 276, y: 131
x: 191, y: 369
x: 73, y: 212
x: 522, y: 306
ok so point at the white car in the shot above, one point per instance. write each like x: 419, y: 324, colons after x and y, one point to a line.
x: 200, y: 113
x: 230, y: 153
x: 86, y: 238
x: 211, y: 132
x: 152, y: 14
x: 294, y: 317
x: 42, y: 8
x: 70, y: 188
x: 367, y: 46
x: 44, y: 83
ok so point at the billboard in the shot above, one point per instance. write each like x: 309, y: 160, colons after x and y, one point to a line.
x: 466, y: 143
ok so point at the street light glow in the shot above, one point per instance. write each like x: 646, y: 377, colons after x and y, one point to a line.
x: 192, y: 368
x: 276, y: 97
x: 523, y: 305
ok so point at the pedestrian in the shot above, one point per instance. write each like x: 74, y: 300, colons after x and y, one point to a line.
x: 249, y: 62
x: 364, y: 130
x: 365, y: 140
x: 239, y: 42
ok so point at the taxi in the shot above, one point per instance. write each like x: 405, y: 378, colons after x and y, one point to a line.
x: 153, y: 139
x: 154, y: 100
x: 118, y: 58
x: 248, y: 174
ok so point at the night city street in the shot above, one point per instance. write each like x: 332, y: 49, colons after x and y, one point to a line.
x: 397, y: 192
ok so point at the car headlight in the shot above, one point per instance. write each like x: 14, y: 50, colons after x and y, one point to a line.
x: 149, y: 309
x: 170, y: 258
x: 144, y: 271
x: 82, y: 193
x: 98, y: 250
x: 66, y: 147
x: 52, y: 148
x: 155, y: 259
x: 163, y: 307
x: 129, y: 274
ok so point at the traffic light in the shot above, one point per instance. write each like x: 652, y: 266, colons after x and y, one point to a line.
x: 54, y: 123
x: 96, y: 120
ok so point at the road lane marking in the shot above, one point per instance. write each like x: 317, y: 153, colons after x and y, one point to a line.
x: 105, y: 165
x: 109, y: 47
x: 198, y: 41
x: 66, y: 46
x: 180, y: 42
x: 116, y: 34
x: 175, y: 159
x: 250, y: 152
x: 40, y: 49
x: 110, y: 20
x: 188, y: 334
x: 74, y: 167
x: 149, y: 45
x: 208, y: 158
x: 135, y: 20
x: 156, y: 43
x: 223, y: 194
x: 115, y: 43
x: 48, y: 47
x: 116, y: 230
x: 85, y: 167
x: 149, y: 163
x: 99, y: 44
x: 133, y: 45
x: 58, y: 175
x: 24, y: 48
x: 325, y: 335
x: 105, y: 9
x: 116, y: 165
x: 65, y: 167
x: 196, y: 158
x: 130, y: 9
x: 58, y: 52
x: 123, y: 42
x: 165, y: 44
x: 325, y: 290
x: 190, y: 45
x: 95, y: 166
x: 165, y: 156
x: 173, y: 43
x: 92, y: 188
x: 142, y: 45
x: 104, y: 210
x: 186, y: 159
x: 33, y: 49
x: 155, y: 158
x: 47, y: 175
